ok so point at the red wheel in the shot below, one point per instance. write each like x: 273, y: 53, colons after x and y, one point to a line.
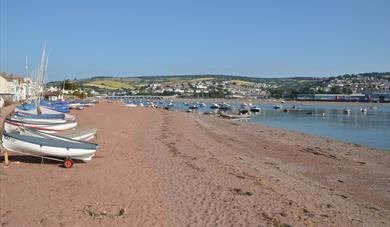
x: 68, y: 163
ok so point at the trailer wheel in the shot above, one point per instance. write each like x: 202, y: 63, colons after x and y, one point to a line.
x: 68, y: 163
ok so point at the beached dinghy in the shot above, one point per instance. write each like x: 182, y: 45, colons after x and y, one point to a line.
x: 12, y: 125
x: 235, y: 116
x: 55, y: 146
x: 47, y: 118
x: 45, y: 110
x: 26, y: 108
x: 74, y: 134
x: 31, y: 109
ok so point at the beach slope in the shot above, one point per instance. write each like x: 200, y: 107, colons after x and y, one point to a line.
x: 161, y: 168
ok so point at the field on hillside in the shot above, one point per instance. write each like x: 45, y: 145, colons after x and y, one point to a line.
x: 109, y: 84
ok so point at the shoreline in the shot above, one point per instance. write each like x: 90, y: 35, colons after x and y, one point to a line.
x: 167, y: 168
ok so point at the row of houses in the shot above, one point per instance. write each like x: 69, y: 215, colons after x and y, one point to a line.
x: 14, y: 88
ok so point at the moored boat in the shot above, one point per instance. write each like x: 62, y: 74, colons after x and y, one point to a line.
x: 193, y: 107
x: 214, y: 106
x: 225, y: 106
x: 279, y: 106
x: 202, y: 104
x: 255, y: 108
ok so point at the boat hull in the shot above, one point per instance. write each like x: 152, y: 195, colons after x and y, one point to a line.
x: 35, y: 120
x: 11, y: 126
x: 16, y: 144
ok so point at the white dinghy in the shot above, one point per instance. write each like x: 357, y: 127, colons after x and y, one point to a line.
x: 46, y: 147
x: 74, y: 134
x: 13, y: 125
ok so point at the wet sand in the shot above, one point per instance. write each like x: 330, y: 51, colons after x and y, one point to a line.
x: 160, y: 168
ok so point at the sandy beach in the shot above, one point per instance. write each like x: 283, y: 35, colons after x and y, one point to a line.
x: 163, y: 168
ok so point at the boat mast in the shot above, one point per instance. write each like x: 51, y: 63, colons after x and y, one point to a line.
x: 26, y: 67
x: 41, y: 73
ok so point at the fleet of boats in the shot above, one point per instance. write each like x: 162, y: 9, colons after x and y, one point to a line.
x: 49, y: 136
x: 46, y: 129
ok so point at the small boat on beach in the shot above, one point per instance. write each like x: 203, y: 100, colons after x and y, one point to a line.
x: 47, y: 118
x: 46, y: 147
x: 12, y: 125
x: 131, y: 105
x: 81, y: 134
x: 235, y: 116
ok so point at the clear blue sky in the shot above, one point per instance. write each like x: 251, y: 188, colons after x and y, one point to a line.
x: 270, y: 38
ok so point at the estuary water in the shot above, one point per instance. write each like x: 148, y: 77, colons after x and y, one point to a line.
x: 371, y: 128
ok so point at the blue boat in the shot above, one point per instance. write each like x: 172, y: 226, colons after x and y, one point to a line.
x: 56, y: 107
x: 26, y: 107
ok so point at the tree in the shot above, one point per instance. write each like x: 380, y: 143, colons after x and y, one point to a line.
x: 71, y: 85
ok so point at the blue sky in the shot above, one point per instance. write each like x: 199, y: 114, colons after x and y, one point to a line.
x: 270, y: 38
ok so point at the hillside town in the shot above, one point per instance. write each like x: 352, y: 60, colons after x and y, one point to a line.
x: 360, y: 87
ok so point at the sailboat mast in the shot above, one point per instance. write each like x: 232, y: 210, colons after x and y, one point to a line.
x: 45, y: 77
x: 26, y: 67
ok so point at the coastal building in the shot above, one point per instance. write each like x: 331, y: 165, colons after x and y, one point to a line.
x: 15, y: 89
x: 3, y: 85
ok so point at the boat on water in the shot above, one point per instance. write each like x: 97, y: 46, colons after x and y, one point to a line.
x: 214, y: 106
x: 53, y: 146
x: 225, y: 106
x: 13, y: 125
x: 244, y: 108
x: 254, y: 108
x: 363, y: 110
x: 347, y: 111
x: 202, y: 105
x: 193, y: 107
x: 278, y: 106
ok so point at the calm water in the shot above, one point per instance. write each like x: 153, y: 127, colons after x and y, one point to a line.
x: 371, y: 129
